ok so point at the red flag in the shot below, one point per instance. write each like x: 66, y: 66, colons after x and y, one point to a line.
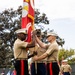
x: 14, y: 72
x: 28, y: 17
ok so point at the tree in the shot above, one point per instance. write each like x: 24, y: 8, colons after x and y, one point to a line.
x: 64, y: 54
x: 10, y: 20
x: 40, y: 18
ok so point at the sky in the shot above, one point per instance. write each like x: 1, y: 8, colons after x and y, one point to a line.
x: 60, y: 13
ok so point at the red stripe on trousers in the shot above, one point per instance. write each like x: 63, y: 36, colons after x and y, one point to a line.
x: 22, y: 67
x: 50, y: 67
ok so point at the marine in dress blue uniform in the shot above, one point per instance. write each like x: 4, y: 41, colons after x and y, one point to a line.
x: 51, y: 53
x: 20, y: 52
x: 38, y: 67
x: 65, y: 68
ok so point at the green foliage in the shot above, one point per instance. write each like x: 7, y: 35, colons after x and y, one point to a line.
x: 10, y: 20
x: 60, y: 41
x: 63, y: 54
x: 40, y: 18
